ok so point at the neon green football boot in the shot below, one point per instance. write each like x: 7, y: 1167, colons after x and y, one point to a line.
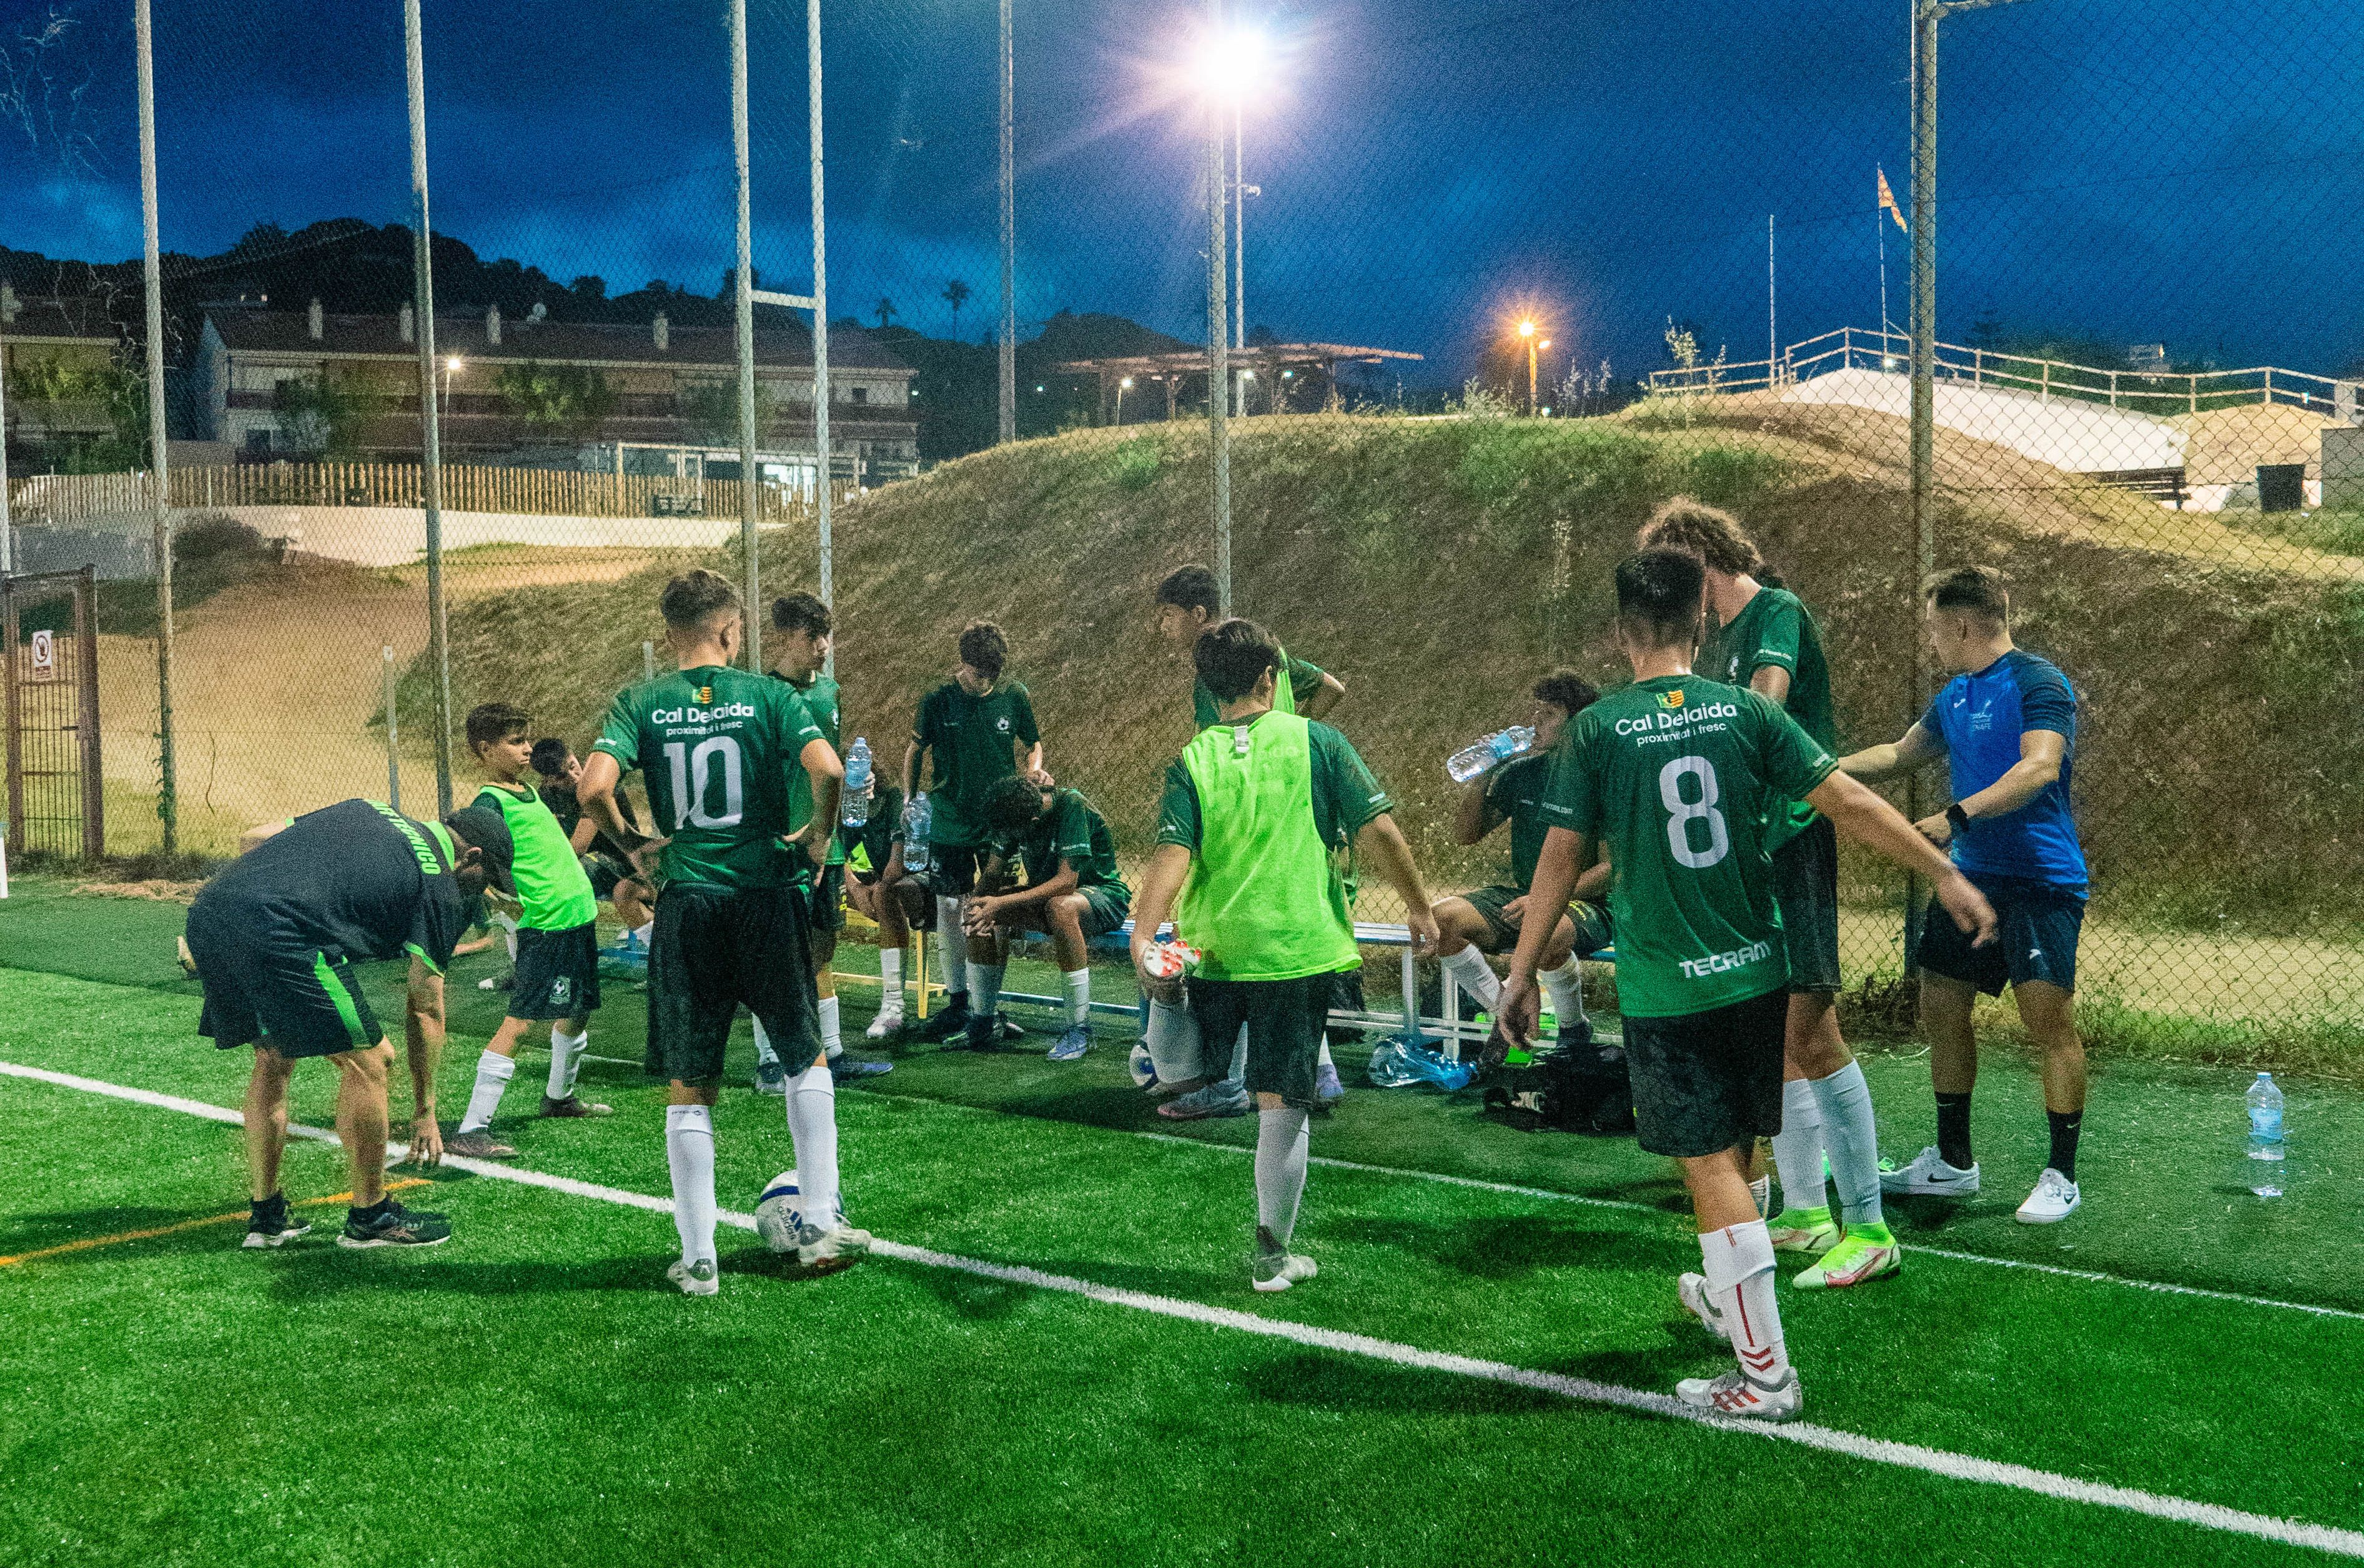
x: 1803, y: 1230
x: 1865, y: 1254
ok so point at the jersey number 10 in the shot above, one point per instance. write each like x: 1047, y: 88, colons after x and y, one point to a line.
x: 692, y: 773
x: 1684, y: 813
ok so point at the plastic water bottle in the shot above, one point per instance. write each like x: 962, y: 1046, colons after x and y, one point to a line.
x: 917, y: 816
x: 857, y: 791
x: 1479, y: 756
x: 2267, y: 1151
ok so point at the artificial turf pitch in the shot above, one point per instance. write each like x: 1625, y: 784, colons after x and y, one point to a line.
x: 533, y: 1392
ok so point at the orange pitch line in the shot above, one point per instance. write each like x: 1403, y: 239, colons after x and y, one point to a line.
x: 188, y: 1225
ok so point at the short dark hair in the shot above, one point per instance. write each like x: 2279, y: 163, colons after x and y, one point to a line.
x: 1231, y: 656
x: 1566, y: 689
x: 1012, y: 806
x: 488, y: 722
x: 1715, y: 536
x: 1191, y: 587
x: 983, y: 648
x: 800, y: 612
x: 1659, y: 596
x: 1980, y: 590
x: 550, y: 754
x: 692, y: 599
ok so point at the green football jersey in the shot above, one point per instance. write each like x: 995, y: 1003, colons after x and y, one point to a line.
x: 1677, y: 776
x: 1074, y: 831
x: 718, y: 750
x: 1774, y: 628
x: 972, y: 743
x: 1514, y: 792
x: 819, y: 695
x: 551, y: 887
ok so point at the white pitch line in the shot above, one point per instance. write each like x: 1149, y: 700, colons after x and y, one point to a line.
x: 1940, y: 1462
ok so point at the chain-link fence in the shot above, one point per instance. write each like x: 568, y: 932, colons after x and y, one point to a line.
x: 2119, y: 241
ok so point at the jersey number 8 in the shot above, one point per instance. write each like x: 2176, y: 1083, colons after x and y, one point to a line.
x: 692, y: 773
x: 1686, y: 812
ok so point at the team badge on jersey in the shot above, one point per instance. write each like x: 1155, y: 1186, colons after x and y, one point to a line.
x: 1002, y: 724
x: 705, y: 694
x: 1673, y: 699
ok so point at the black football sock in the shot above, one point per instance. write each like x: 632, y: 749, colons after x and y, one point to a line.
x: 2065, y: 1126
x: 1954, y: 1130
x: 373, y: 1211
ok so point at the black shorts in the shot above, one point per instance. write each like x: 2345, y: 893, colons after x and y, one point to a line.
x: 1591, y: 921
x: 1105, y: 909
x: 1806, y: 885
x: 828, y: 895
x: 2036, y: 936
x: 267, y: 988
x: 557, y: 973
x: 1285, y: 1019
x: 1708, y: 1082
x: 605, y: 873
x: 716, y: 950
x: 952, y: 868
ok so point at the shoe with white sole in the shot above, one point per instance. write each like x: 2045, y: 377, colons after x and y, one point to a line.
x: 1327, y: 1089
x: 1929, y: 1176
x: 695, y: 1279
x: 2056, y: 1197
x: 268, y: 1223
x: 1857, y: 1259
x: 838, y: 1242
x: 1224, y: 1096
x: 1809, y: 1230
x: 1071, y: 1045
x: 1738, y: 1395
x: 886, y: 1026
x: 1691, y: 1289
x: 770, y: 1078
x: 1278, y: 1271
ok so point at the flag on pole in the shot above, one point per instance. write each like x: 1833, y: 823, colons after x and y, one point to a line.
x: 1888, y: 198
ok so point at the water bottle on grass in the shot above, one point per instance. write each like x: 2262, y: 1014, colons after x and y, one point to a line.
x: 1479, y: 756
x: 2268, y: 1166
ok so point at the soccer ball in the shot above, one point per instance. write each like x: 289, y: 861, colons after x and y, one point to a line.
x: 1144, y: 1071
x: 778, y: 1212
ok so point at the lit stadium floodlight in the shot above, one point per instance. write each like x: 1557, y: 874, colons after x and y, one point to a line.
x: 1233, y: 64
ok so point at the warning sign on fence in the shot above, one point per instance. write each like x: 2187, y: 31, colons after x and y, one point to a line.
x: 45, y: 656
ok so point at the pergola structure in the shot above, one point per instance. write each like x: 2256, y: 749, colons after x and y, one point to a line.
x: 1273, y: 364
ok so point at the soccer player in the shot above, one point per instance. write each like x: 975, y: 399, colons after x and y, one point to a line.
x: 976, y: 729
x: 1257, y: 814
x: 1472, y: 925
x: 889, y: 896
x: 718, y: 749
x: 1679, y: 774
x: 800, y: 625
x: 1072, y: 893
x: 608, y: 863
x: 1768, y: 642
x: 1188, y: 600
x: 558, y: 931
x: 2006, y: 725
x: 273, y: 939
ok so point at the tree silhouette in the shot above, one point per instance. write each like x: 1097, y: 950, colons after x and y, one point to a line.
x: 884, y: 310
x: 956, y: 294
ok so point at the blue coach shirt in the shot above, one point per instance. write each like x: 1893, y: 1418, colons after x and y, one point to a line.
x: 1980, y: 718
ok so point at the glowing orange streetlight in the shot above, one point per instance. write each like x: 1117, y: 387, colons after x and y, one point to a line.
x: 1527, y: 332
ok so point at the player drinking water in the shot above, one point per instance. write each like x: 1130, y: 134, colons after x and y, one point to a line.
x: 718, y: 749
x: 1679, y: 774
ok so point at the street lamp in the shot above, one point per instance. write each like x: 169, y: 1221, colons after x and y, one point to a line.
x: 1231, y: 65
x: 450, y: 369
x: 1122, y: 388
x: 1527, y: 332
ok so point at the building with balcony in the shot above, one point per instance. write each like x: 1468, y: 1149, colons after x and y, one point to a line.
x: 57, y: 356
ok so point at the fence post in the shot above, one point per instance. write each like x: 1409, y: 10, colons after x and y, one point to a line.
x: 393, y: 730
x: 821, y: 389
x: 431, y: 468
x: 168, y: 804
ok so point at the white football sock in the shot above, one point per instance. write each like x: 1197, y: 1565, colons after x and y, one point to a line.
x: 646, y: 931
x: 1761, y: 1189
x: 1079, y: 996
x: 1469, y: 969
x: 890, y: 981
x: 493, y: 1073
x: 1322, y: 1058
x: 829, y: 1040
x: 565, y: 1059
x: 1173, y: 1046
x: 1283, y: 1143
x: 1798, y: 1148
x: 689, y: 1154
x: 1238, y: 1070
x: 763, y: 1051
x: 1845, y: 1100
x: 509, y: 934
x: 951, y: 946
x: 812, y: 1132
x: 1740, y: 1281
x: 985, y: 989
x: 1563, y: 988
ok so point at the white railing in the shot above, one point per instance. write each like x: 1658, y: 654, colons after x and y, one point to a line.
x: 2159, y: 393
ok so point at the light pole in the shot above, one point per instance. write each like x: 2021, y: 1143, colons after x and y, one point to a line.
x: 1122, y: 387
x: 1545, y: 346
x: 1527, y: 332
x: 451, y: 368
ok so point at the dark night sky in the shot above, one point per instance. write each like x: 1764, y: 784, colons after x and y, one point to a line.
x: 2189, y: 170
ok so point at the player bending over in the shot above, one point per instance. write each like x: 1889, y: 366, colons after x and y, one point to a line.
x: 608, y: 863
x: 1679, y: 774
x: 1258, y: 814
x: 1188, y: 600
x: 1072, y: 892
x: 976, y: 729
x: 273, y: 939
x: 889, y: 896
x: 1768, y: 641
x: 718, y: 749
x: 801, y: 625
x: 527, y: 855
x: 1472, y: 925
x: 2006, y: 725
